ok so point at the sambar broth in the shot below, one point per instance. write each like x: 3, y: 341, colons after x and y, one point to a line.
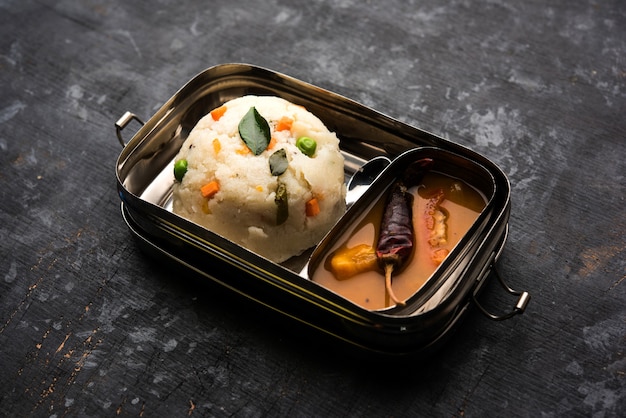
x: 462, y: 205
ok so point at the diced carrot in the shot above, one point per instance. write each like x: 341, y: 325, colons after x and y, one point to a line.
x: 272, y: 143
x: 217, y: 145
x: 216, y: 114
x: 284, y: 124
x: 259, y: 188
x: 209, y: 189
x: 312, y: 207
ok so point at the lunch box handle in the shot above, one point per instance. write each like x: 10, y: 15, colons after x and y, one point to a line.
x: 122, y: 123
x: 520, y: 306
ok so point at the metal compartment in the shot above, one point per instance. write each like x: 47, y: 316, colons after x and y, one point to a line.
x: 144, y: 178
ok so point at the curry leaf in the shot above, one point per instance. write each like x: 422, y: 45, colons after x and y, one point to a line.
x: 278, y: 162
x: 255, y: 131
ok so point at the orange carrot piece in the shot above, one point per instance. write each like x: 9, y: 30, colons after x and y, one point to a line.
x: 272, y: 143
x: 312, y: 207
x: 209, y: 189
x: 284, y: 124
x: 216, y: 114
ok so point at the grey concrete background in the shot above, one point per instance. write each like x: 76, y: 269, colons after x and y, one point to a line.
x: 90, y: 326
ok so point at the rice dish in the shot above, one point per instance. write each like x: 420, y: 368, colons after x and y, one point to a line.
x: 247, y: 172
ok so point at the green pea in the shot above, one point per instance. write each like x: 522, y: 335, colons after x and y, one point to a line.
x: 306, y: 145
x: 180, y: 168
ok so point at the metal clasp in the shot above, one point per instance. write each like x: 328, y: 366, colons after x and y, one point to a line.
x: 520, y: 306
x: 122, y: 123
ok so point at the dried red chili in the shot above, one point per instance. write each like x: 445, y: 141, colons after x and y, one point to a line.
x: 396, y: 238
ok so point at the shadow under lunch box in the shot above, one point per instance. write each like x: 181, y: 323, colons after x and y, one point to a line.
x: 145, y: 178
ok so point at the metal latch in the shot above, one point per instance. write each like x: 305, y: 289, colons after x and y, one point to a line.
x: 122, y: 123
x: 520, y: 306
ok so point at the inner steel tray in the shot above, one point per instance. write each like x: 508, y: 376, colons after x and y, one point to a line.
x: 145, y: 178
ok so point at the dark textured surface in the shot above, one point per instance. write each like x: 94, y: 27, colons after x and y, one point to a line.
x: 90, y: 326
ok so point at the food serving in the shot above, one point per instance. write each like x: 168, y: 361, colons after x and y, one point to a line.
x: 264, y: 173
x: 399, y: 242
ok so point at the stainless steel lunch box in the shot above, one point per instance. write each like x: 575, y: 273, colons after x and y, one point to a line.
x: 145, y: 177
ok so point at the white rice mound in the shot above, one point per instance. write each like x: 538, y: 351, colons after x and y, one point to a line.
x: 244, y: 210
